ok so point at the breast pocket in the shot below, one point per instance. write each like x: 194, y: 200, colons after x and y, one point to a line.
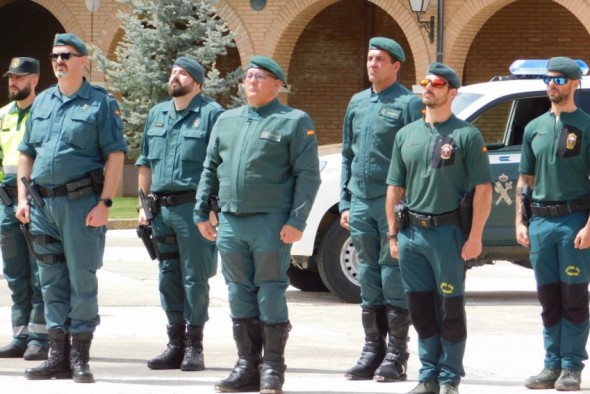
x: 387, y: 122
x: 81, y: 131
x: 156, y: 138
x: 41, y: 129
x: 193, y: 145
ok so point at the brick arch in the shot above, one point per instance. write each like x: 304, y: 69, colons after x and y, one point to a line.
x: 477, y: 12
x: 237, y: 26
x: 64, y: 15
x: 283, y: 36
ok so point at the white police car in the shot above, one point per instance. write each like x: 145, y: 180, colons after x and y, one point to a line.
x: 325, y: 257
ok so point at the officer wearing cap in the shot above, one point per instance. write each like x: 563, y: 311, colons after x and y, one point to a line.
x: 19, y: 268
x: 73, y: 151
x: 555, y: 163
x: 173, y: 150
x: 372, y: 119
x: 434, y: 163
x: 263, y: 164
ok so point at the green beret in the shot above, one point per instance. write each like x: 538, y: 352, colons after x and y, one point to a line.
x: 388, y: 45
x: 192, y: 67
x: 444, y: 71
x: 565, y: 66
x: 71, y: 40
x: 23, y: 66
x: 266, y: 63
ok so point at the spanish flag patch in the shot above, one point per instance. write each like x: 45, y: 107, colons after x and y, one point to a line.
x: 117, y: 112
x: 310, y: 132
x: 484, y: 149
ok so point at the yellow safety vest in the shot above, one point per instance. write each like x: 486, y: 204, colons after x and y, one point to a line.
x: 12, y: 128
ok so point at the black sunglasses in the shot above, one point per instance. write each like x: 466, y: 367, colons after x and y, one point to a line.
x: 557, y: 79
x: 64, y: 55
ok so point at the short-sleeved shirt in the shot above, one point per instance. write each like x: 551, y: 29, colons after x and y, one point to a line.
x: 557, y: 153
x: 438, y: 165
x: 174, y: 144
x: 12, y: 127
x: 69, y: 137
x: 370, y: 124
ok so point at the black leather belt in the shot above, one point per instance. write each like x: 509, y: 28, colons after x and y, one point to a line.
x: 12, y: 191
x: 78, y: 188
x: 429, y: 221
x: 171, y: 200
x: 241, y: 214
x: 560, y: 208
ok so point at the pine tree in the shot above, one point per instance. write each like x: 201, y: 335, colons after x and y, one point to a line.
x: 155, y: 34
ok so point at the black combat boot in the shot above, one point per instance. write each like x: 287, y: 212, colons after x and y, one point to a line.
x: 172, y: 357
x: 57, y: 365
x: 245, y: 375
x: 193, y: 352
x: 272, y: 371
x: 395, y: 364
x: 12, y: 350
x: 80, y: 356
x: 375, y: 326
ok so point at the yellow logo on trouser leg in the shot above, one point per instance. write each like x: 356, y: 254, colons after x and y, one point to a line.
x: 572, y: 270
x: 447, y: 288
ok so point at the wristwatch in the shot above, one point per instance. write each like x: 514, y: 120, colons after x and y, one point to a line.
x: 107, y: 202
x: 391, y: 236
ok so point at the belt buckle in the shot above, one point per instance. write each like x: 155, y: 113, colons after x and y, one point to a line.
x: 553, y: 210
x: 424, y: 221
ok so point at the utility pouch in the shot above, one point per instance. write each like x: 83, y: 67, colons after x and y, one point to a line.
x: 466, y: 211
x: 97, y: 179
x: 525, y: 204
x: 402, y: 216
x: 33, y: 192
x: 5, y: 196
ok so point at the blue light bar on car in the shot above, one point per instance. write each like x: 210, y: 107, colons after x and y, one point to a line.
x: 537, y: 67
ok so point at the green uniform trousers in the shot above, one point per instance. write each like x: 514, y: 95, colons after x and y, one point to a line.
x: 70, y: 287
x: 562, y: 273
x: 433, y: 274
x: 254, y: 262
x: 379, y: 273
x: 184, y: 280
x: 21, y: 272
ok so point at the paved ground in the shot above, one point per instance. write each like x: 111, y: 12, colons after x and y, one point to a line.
x: 504, y: 345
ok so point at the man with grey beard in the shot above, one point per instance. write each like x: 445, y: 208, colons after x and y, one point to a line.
x: 173, y: 150
x: 19, y: 267
x: 72, y: 154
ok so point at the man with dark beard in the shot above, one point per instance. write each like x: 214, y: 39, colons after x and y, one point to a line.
x: 19, y: 268
x: 555, y: 164
x: 173, y: 150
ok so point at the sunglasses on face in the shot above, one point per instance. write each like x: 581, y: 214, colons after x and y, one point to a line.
x: 558, y: 79
x: 64, y: 56
x: 435, y: 83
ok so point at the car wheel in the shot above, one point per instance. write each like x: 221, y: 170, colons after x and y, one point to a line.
x: 338, y: 264
x: 305, y: 280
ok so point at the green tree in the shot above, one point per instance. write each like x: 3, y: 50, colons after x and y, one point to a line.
x: 155, y: 34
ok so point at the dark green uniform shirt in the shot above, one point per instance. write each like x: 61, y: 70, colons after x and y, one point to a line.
x: 437, y: 166
x: 261, y: 160
x: 69, y: 137
x: 558, y: 155
x: 369, y: 129
x: 174, y: 144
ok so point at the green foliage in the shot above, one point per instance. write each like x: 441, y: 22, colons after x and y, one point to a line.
x: 155, y: 34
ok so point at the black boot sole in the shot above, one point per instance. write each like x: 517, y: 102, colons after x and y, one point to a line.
x: 59, y: 375
x: 221, y: 389
x: 383, y: 379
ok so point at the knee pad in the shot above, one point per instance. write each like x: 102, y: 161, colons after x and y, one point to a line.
x: 550, y: 298
x: 575, y: 302
x: 422, y: 312
x: 453, y: 327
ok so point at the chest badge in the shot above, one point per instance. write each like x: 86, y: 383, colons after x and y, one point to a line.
x: 571, y: 141
x: 197, y: 123
x: 446, y: 151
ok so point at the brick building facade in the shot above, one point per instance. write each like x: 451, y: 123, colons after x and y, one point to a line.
x: 322, y: 43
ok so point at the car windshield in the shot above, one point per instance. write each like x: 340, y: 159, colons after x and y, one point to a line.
x: 463, y: 100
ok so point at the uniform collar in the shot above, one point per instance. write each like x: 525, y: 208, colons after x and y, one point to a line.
x: 83, y: 92
x: 266, y: 109
x: 194, y: 105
